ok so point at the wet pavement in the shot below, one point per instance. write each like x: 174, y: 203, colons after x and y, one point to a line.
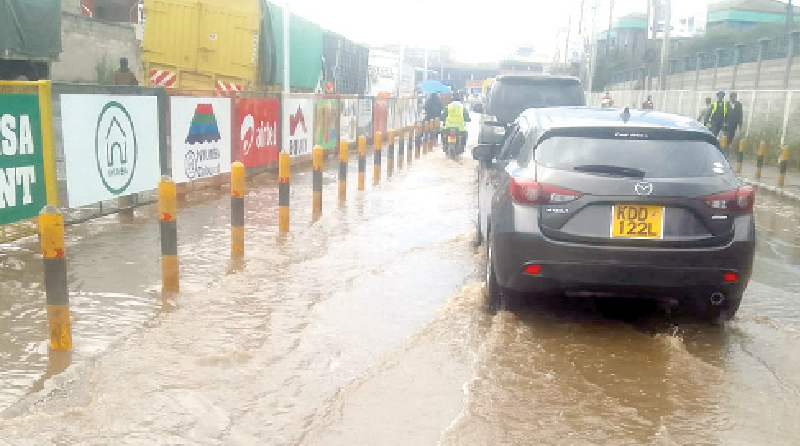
x: 366, y: 327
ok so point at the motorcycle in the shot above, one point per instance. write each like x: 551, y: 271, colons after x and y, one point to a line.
x: 454, y: 146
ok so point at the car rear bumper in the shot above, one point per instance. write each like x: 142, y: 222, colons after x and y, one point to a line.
x: 568, y: 266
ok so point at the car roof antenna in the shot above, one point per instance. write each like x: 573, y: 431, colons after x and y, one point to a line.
x: 625, y: 115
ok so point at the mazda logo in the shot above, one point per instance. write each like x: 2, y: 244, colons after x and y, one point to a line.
x: 644, y: 188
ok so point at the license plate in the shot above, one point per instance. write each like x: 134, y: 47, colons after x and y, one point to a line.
x: 637, y: 221
x: 451, y: 139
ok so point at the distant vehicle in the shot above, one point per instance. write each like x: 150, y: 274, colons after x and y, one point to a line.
x: 600, y: 200
x: 509, y: 95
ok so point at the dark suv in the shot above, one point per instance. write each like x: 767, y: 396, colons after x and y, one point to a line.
x: 510, y: 95
x: 612, y: 201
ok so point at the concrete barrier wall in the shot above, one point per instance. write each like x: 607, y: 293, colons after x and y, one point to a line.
x: 89, y: 45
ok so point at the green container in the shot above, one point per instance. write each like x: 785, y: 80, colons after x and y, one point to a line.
x: 305, y: 55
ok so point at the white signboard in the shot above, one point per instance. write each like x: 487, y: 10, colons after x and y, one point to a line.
x: 365, y: 117
x: 201, y: 137
x: 298, y: 125
x: 110, y: 146
x: 348, y: 120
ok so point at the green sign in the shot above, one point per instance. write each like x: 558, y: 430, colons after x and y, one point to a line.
x: 326, y: 123
x: 22, y: 184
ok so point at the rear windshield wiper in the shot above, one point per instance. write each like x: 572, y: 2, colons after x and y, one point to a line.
x: 608, y: 169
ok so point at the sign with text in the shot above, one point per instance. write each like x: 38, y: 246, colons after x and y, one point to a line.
x: 22, y: 184
x: 110, y: 146
x: 326, y: 123
x: 298, y: 125
x: 365, y: 117
x: 258, y: 131
x: 348, y: 120
x: 201, y: 137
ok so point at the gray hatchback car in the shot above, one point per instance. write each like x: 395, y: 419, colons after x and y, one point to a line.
x: 615, y: 201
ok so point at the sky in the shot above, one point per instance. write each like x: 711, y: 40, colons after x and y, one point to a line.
x: 477, y: 31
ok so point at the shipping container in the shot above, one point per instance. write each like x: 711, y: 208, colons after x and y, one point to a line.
x: 201, y: 44
x: 345, y: 63
x: 305, y: 50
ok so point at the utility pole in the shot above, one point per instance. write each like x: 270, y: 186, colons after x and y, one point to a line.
x: 286, y: 78
x: 665, y: 48
x: 400, y: 69
x: 789, y: 17
x: 610, y: 18
x: 592, y: 48
x: 566, y: 45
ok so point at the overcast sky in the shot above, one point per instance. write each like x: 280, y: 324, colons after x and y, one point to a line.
x: 478, y: 31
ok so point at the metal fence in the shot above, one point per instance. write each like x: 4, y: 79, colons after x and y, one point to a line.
x: 769, y: 115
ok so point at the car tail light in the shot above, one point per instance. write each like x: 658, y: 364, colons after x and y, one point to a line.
x: 532, y: 270
x: 741, y: 200
x: 530, y: 192
x: 730, y: 277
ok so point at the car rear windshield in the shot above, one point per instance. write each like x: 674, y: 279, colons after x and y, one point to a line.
x: 513, y: 96
x: 654, y: 158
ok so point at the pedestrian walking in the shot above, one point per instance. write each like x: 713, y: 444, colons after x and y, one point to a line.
x: 648, y: 104
x: 718, y: 115
x: 124, y: 76
x: 702, y: 117
x: 735, y: 117
x: 433, y: 107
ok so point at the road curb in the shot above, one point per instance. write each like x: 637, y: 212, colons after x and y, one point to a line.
x: 774, y: 189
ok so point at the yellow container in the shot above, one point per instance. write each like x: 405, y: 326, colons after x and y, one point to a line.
x: 201, y: 44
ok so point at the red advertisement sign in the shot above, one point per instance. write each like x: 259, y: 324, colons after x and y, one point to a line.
x: 258, y: 131
x: 379, y: 117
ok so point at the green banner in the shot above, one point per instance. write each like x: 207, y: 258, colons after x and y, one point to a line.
x: 326, y: 123
x: 22, y: 184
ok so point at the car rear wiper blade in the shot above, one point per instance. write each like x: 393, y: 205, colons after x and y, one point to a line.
x: 611, y: 170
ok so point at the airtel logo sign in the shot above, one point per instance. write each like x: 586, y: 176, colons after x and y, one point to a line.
x: 257, y: 137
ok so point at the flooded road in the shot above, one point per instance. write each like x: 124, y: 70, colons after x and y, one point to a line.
x: 366, y: 327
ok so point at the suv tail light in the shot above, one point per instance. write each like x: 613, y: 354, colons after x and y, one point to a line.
x: 737, y: 200
x: 530, y: 192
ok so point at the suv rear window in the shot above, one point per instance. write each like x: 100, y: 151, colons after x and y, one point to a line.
x: 656, y: 158
x: 510, y: 97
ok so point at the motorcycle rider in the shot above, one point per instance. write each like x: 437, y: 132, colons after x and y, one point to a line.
x: 455, y: 115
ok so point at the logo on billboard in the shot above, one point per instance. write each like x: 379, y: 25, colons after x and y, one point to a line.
x: 299, y: 145
x: 204, y: 160
x: 115, y: 147
x: 258, y: 137
x: 297, y: 119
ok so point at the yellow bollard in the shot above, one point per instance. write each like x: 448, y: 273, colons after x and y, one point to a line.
x: 344, y: 149
x: 317, y: 157
x: 723, y: 142
x: 376, y: 157
x: 284, y: 161
x: 783, y: 163
x: 51, y: 240
x: 762, y: 153
x: 237, y: 209
x: 389, y: 153
x: 167, y: 216
x: 362, y: 162
x: 740, y: 155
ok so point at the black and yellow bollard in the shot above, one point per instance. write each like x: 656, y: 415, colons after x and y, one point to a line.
x: 389, y: 153
x: 167, y: 216
x: 344, y: 152
x: 426, y: 136
x: 401, y: 148
x: 783, y: 164
x: 420, y: 141
x: 317, y: 158
x: 723, y: 142
x: 740, y: 155
x: 51, y: 240
x: 437, y: 131
x: 284, y: 163
x: 362, y: 162
x: 762, y: 153
x: 376, y: 157
x: 237, y: 209
x: 410, y: 151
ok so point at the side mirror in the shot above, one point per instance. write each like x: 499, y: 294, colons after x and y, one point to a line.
x: 477, y: 108
x: 484, y: 152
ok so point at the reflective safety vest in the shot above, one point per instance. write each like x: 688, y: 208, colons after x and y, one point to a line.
x: 455, y: 117
x: 714, y: 109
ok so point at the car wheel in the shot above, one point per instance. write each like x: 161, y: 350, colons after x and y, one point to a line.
x: 492, y: 294
x: 718, y: 314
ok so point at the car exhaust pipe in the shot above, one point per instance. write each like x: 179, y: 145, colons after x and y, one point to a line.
x: 717, y: 298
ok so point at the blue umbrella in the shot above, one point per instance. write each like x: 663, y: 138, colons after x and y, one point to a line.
x: 433, y: 86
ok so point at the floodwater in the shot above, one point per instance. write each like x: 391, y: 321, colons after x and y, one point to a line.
x: 366, y: 327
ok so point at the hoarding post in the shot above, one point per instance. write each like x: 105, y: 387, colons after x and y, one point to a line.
x: 237, y: 209
x: 284, y: 161
x: 362, y: 161
x: 389, y: 153
x: 344, y: 149
x: 316, y: 161
x: 51, y: 239
x: 167, y: 216
x: 376, y: 157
